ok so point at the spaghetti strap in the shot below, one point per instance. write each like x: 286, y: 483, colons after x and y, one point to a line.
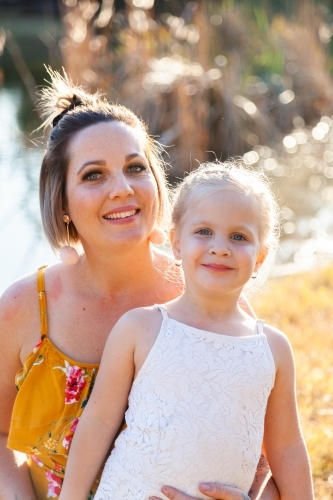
x: 260, y: 326
x: 161, y: 307
x: 42, y: 301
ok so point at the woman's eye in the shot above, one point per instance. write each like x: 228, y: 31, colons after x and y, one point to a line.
x: 204, y: 232
x: 238, y: 237
x: 92, y: 176
x: 137, y: 168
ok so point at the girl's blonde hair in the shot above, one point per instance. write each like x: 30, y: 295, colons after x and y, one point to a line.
x: 70, y: 109
x: 232, y: 174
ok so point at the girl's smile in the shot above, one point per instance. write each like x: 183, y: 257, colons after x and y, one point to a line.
x: 218, y: 241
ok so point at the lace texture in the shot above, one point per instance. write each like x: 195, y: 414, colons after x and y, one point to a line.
x: 196, y: 413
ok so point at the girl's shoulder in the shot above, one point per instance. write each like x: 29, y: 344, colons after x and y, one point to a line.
x: 142, y: 317
x: 279, y: 345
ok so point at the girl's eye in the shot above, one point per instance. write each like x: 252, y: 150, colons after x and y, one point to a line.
x: 137, y: 168
x: 238, y: 237
x: 92, y: 176
x: 204, y: 232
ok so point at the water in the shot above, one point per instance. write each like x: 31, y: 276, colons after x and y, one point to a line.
x: 22, y: 245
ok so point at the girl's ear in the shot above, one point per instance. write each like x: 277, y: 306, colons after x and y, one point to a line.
x: 261, y: 258
x: 174, y: 240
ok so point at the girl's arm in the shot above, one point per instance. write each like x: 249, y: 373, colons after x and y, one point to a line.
x: 284, y: 443
x: 104, y: 412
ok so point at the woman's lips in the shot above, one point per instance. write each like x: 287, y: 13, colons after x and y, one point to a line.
x: 122, y: 215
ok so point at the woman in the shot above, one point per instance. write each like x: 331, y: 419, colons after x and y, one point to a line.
x: 102, y: 186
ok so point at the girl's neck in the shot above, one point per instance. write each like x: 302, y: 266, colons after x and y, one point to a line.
x: 215, y: 308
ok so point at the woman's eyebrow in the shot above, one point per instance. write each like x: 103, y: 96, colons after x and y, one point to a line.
x: 102, y: 163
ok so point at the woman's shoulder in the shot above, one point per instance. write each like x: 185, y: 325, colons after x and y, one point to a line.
x: 18, y: 312
x: 19, y: 302
x: 20, y: 294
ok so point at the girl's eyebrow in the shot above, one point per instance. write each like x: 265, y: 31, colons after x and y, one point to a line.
x: 102, y: 163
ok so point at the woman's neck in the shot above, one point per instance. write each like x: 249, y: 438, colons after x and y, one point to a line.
x: 107, y: 273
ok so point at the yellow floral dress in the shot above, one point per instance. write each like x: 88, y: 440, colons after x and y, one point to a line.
x: 52, y: 393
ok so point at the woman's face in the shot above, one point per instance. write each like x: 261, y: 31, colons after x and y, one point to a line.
x: 111, y: 191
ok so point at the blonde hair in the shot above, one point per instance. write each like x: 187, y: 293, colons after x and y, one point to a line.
x: 232, y: 174
x: 71, y: 109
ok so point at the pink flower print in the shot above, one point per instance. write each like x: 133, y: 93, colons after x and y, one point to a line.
x: 74, y: 425
x: 68, y: 439
x: 38, y: 462
x: 75, y: 383
x: 54, y: 486
x: 37, y: 346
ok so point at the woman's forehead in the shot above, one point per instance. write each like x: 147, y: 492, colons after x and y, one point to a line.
x: 107, y: 139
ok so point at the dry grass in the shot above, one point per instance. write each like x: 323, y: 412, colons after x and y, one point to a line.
x: 301, y: 306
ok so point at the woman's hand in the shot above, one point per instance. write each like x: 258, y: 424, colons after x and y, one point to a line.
x: 212, y: 490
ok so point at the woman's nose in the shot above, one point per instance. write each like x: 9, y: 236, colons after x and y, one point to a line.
x: 120, y: 187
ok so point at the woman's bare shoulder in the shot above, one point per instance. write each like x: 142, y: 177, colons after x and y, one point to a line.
x: 19, y: 295
x: 19, y: 302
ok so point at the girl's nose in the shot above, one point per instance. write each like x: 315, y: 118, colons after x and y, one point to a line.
x: 220, y: 249
x: 120, y: 187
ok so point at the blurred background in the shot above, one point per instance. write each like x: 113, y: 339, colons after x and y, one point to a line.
x: 212, y: 79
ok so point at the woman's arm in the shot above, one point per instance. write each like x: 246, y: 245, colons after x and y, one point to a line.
x: 263, y: 486
x: 221, y: 492
x: 103, y: 414
x: 15, y: 483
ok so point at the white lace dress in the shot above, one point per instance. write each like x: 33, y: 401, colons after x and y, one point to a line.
x: 195, y: 413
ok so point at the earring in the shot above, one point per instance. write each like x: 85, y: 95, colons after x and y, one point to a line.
x: 158, y: 236
x: 68, y: 255
x: 178, y: 262
x: 254, y: 275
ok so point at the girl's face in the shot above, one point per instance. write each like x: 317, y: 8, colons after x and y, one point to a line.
x: 218, y: 241
x: 111, y: 191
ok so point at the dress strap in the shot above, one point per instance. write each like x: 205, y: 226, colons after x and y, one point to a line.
x: 42, y: 301
x: 260, y: 326
x: 161, y: 307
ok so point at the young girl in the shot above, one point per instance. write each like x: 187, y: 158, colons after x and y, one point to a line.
x: 204, y: 384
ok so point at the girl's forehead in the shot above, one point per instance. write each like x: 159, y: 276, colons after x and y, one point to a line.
x: 211, y: 195
x: 221, y: 205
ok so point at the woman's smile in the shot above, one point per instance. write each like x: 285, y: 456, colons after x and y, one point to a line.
x: 122, y: 215
x: 111, y: 190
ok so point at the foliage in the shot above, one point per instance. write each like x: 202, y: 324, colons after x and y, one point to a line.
x: 302, y: 308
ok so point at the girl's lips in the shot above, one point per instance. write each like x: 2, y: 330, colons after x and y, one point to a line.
x: 218, y: 267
